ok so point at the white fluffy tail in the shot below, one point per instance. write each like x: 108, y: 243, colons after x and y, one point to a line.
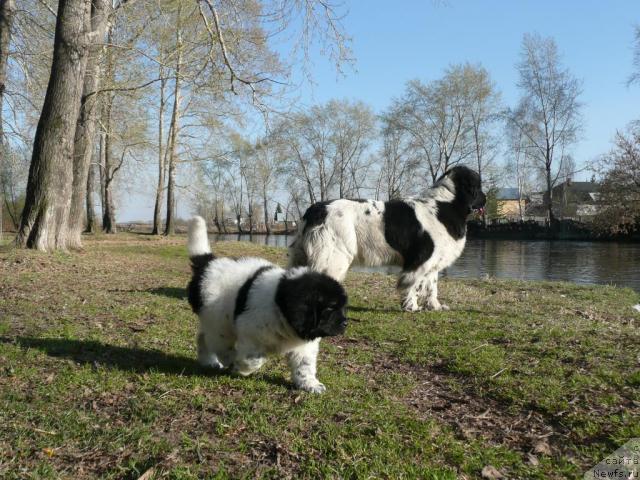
x: 198, y: 241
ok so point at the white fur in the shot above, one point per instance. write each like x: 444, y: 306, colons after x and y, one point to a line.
x: 261, y: 330
x: 198, y: 242
x: 350, y: 236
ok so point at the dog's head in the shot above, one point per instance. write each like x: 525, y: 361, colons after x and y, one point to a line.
x: 468, y: 188
x: 313, y: 303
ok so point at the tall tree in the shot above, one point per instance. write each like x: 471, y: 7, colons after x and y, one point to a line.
x: 7, y: 13
x: 398, y: 159
x: 519, y: 164
x: 352, y: 127
x: 484, y: 112
x: 84, y: 142
x: 157, y: 210
x: 172, y: 146
x: 44, y: 222
x: 550, y: 102
x: 437, y: 117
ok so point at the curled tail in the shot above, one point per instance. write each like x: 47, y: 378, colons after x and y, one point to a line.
x: 200, y: 256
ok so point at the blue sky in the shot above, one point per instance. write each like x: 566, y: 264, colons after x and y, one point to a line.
x: 418, y: 39
x: 396, y: 42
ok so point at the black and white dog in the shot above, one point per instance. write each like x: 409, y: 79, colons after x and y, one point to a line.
x: 423, y: 235
x: 250, y: 308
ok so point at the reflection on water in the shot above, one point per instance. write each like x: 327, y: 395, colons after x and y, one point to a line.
x: 579, y: 262
x: 260, y: 239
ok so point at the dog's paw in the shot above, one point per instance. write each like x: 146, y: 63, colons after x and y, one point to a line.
x: 212, y: 362
x: 411, y: 306
x: 437, y: 307
x: 312, y: 387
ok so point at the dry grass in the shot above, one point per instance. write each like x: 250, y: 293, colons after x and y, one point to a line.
x: 98, y: 378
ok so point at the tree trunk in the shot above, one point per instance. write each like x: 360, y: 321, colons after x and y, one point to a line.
x: 101, y: 166
x: 84, y: 142
x: 266, y: 213
x: 549, y: 193
x: 7, y: 12
x: 157, y: 210
x: 175, y: 117
x: 109, y: 217
x: 91, y: 214
x: 45, y: 218
x: 238, y: 219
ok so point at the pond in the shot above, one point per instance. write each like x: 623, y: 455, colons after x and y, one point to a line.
x: 608, y: 263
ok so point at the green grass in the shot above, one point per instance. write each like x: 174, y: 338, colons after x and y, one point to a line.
x: 98, y: 377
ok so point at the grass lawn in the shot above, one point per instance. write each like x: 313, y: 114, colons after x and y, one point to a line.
x: 98, y: 378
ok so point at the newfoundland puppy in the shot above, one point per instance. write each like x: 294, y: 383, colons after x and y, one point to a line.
x: 250, y: 308
x: 423, y: 235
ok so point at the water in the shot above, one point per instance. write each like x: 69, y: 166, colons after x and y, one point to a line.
x: 579, y: 262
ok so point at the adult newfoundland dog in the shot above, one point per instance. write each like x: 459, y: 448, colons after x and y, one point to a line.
x: 423, y: 235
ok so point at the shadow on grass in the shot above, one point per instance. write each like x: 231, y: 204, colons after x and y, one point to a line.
x: 128, y: 359
x: 374, y: 309
x: 171, y: 292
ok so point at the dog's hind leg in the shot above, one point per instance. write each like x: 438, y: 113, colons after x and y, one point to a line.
x: 248, y: 358
x: 215, y: 349
x: 302, y: 361
x: 411, y: 286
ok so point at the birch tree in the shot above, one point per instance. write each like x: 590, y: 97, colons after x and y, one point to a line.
x: 550, y: 101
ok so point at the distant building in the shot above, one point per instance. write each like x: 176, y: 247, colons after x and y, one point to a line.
x: 510, y: 205
x: 578, y: 200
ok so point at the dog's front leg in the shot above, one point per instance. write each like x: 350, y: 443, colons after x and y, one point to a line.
x: 302, y: 361
x: 431, y: 288
x: 411, y: 290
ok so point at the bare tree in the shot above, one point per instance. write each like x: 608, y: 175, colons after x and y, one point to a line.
x: 161, y: 157
x: 7, y: 13
x: 519, y: 163
x: 619, y: 197
x: 268, y: 167
x: 437, y: 117
x: 552, y: 109
x: 172, y: 146
x: 44, y: 223
x: 484, y: 112
x: 84, y: 141
x: 399, y: 161
x: 351, y: 126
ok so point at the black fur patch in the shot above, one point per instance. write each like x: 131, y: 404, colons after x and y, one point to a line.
x: 404, y: 234
x: 313, y: 304
x: 243, y: 293
x: 468, y: 195
x: 453, y: 217
x: 315, y: 214
x: 367, y: 212
x: 359, y: 200
x: 199, y: 265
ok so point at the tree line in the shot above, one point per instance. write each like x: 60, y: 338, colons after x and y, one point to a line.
x: 94, y: 93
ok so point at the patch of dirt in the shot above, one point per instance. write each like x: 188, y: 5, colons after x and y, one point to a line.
x: 453, y: 401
